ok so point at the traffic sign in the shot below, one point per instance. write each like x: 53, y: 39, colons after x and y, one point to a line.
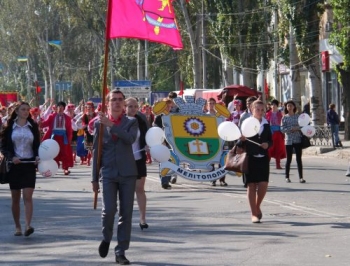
x: 63, y: 85
x: 134, y: 88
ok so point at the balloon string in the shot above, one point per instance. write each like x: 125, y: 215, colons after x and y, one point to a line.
x: 139, y: 150
x: 253, y: 142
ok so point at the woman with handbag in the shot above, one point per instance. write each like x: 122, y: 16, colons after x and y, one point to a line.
x: 20, y: 141
x: 291, y: 129
x: 257, y: 178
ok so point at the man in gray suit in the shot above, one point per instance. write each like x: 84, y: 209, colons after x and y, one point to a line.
x: 117, y: 173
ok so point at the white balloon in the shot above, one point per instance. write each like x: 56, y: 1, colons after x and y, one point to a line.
x: 250, y: 127
x: 228, y: 131
x: 308, y: 131
x: 154, y: 136
x: 303, y: 119
x: 160, y: 153
x: 48, y: 149
x: 47, y: 168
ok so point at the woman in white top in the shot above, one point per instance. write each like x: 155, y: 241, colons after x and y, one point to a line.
x: 139, y: 149
x: 20, y: 141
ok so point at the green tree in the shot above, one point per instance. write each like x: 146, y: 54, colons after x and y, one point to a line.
x: 240, y: 29
x: 302, y: 20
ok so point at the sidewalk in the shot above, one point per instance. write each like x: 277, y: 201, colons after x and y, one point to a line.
x: 324, y: 151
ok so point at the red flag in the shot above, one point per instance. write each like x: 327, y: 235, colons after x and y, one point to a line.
x: 143, y: 19
x: 38, y: 88
x: 181, y: 92
x: 266, y: 89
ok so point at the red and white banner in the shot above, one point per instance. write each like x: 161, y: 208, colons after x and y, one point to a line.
x: 143, y: 19
x: 6, y: 98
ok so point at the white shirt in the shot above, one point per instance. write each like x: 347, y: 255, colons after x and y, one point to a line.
x: 22, y: 138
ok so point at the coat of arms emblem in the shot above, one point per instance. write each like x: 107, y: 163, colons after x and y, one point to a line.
x: 194, y: 140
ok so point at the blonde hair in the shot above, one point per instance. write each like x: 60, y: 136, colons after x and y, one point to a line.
x: 256, y: 102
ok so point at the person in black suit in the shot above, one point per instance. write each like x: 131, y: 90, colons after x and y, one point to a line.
x: 256, y: 180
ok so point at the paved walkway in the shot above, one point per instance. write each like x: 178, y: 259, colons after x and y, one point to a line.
x: 339, y: 153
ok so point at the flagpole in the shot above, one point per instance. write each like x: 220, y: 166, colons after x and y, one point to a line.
x: 103, y: 100
x: 36, y: 93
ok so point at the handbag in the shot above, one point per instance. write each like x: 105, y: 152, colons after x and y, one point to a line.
x: 4, y: 169
x: 305, y: 142
x: 237, y: 160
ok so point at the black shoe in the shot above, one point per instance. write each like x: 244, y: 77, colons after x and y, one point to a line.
x: 166, y: 186
x: 287, y: 180
x: 173, y: 180
x: 103, y: 249
x: 213, y: 183
x: 29, y: 231
x: 301, y: 180
x: 143, y: 226
x: 122, y: 260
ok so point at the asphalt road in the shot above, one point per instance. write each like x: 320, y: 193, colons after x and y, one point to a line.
x: 193, y: 223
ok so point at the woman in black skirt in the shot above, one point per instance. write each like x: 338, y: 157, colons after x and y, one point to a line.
x: 139, y: 149
x: 257, y: 179
x: 20, y: 141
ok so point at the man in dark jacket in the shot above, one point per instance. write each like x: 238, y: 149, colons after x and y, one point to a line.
x: 333, y: 121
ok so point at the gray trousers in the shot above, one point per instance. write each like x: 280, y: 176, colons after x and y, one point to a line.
x: 123, y: 188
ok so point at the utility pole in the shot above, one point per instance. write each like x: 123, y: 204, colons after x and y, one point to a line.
x: 146, y: 60
x: 29, y: 82
x: 294, y: 69
x: 204, y: 55
x: 275, y: 55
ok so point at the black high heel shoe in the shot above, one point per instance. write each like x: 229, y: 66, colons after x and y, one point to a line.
x: 143, y: 226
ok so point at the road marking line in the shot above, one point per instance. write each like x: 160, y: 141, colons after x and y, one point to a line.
x: 282, y: 204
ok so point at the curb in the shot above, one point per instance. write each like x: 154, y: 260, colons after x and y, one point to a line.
x: 341, y: 153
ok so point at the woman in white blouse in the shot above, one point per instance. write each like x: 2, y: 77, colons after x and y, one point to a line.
x: 20, y: 141
x: 139, y: 149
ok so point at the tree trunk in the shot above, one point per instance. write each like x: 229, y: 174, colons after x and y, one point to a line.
x: 141, y: 60
x: 89, y: 82
x: 178, y: 76
x: 345, y: 81
x: 227, y: 69
x: 249, y: 78
x: 294, y: 70
x: 196, y: 55
x: 316, y: 102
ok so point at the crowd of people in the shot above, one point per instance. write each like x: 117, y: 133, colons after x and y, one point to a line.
x: 119, y: 165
